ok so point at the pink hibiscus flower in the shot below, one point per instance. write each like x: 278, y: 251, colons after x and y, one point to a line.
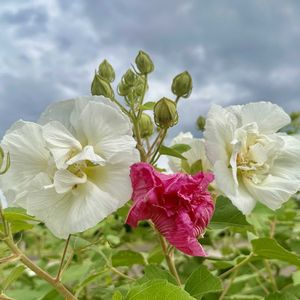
x: 179, y: 205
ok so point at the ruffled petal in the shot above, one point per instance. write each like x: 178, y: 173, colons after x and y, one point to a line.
x: 273, y: 191
x: 219, y: 132
x: 179, y: 232
x: 268, y: 116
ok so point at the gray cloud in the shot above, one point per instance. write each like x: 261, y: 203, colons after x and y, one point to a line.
x: 236, y: 51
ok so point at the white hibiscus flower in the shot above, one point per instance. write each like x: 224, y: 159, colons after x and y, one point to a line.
x: 252, y: 162
x: 72, y: 169
x: 196, y: 153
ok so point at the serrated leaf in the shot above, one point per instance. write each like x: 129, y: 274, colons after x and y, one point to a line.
x: 163, y: 150
x: 158, y: 290
x: 269, y: 248
x: 13, y: 276
x: 147, y: 106
x: 181, y: 148
x: 202, y: 282
x: 155, y: 272
x: 226, y: 214
x: 127, y: 258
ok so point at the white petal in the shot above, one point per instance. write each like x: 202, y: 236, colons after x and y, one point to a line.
x: 224, y: 179
x: 107, y: 129
x: 60, y: 142
x: 287, y: 163
x: 219, y: 132
x: 87, y: 154
x: 99, y: 120
x: 196, y: 152
x: 243, y: 200
x: 28, y: 155
x: 64, y: 181
x: 268, y: 116
x: 273, y: 191
x: 113, y: 179
x: 72, y: 212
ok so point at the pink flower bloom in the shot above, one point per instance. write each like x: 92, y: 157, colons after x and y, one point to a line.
x: 179, y: 205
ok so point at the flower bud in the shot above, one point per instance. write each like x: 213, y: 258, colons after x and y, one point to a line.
x: 165, y: 113
x: 144, y: 63
x: 106, y: 71
x: 182, y: 85
x: 201, y: 123
x: 123, y: 89
x: 129, y: 77
x: 100, y: 87
x: 146, y: 126
x: 1, y: 157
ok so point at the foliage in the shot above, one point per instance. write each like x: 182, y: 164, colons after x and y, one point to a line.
x: 253, y: 257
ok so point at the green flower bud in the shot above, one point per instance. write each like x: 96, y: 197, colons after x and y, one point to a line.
x: 144, y: 63
x: 130, y: 77
x: 165, y: 113
x: 123, y: 89
x: 106, y: 71
x: 146, y: 126
x: 201, y: 123
x: 1, y: 157
x: 182, y: 85
x: 100, y: 87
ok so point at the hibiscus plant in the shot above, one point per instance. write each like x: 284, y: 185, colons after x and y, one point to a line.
x: 91, y: 209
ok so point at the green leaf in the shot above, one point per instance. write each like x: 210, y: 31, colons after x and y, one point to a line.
x: 155, y: 272
x: 12, y: 214
x: 127, y: 258
x: 196, y: 167
x: 13, y: 276
x: 181, y: 148
x: 147, y: 106
x: 158, y: 290
x: 269, y: 248
x: 227, y: 215
x: 163, y: 150
x: 202, y: 282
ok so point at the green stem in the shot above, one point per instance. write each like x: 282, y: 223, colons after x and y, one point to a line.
x: 169, y: 258
x: 163, y: 135
x: 59, y: 273
x: 226, y: 289
x: 38, y: 271
x: 269, y: 270
x: 124, y: 110
x: 237, y: 266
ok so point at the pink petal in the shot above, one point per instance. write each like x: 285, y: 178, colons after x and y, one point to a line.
x: 179, y: 232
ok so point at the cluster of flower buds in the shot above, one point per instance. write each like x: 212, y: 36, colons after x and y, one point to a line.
x: 6, y: 159
x: 101, y: 85
x: 132, y: 85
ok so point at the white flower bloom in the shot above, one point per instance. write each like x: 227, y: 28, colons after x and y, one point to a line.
x: 72, y: 169
x: 197, y: 152
x: 252, y: 162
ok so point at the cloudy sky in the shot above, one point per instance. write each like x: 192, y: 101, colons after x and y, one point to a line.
x: 237, y: 51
